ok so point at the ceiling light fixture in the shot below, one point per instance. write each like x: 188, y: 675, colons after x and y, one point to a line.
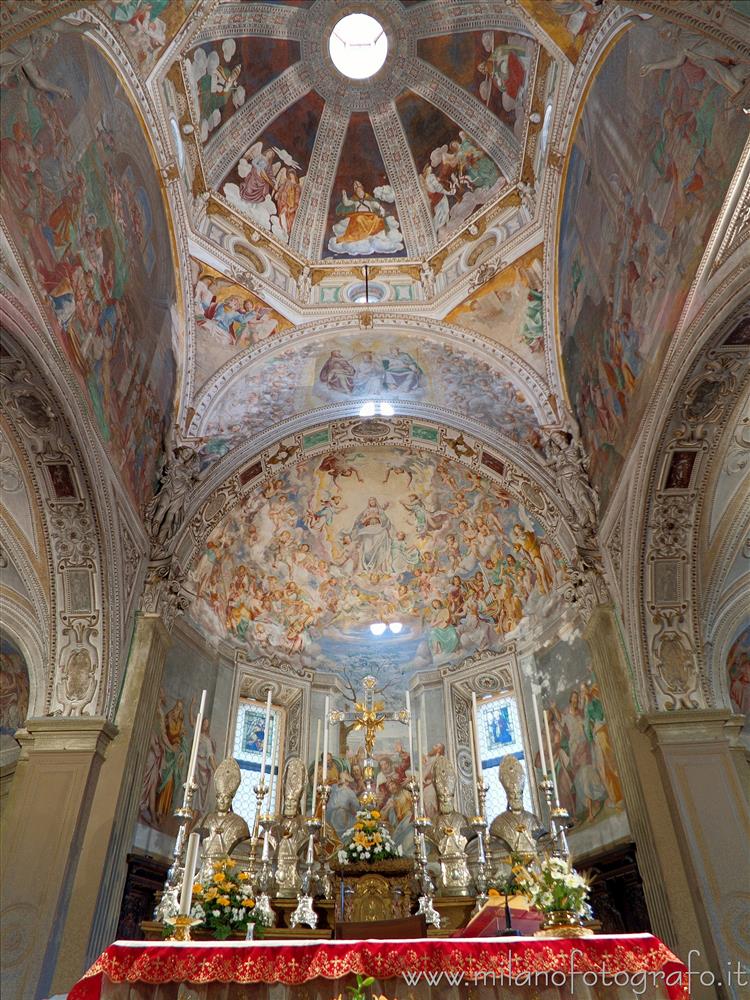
x: 395, y: 627
x: 358, y: 46
x: 367, y: 409
x: 386, y: 410
x: 377, y: 628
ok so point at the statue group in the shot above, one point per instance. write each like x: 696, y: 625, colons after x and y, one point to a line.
x: 451, y: 840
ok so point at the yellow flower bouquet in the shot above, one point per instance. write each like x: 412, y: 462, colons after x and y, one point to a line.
x: 368, y: 840
x: 224, y: 902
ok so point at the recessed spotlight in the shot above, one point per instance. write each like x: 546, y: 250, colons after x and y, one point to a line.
x: 377, y: 628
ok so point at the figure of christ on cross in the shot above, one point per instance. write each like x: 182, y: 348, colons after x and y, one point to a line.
x: 369, y: 716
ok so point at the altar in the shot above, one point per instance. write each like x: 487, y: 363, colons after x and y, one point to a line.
x: 425, y: 969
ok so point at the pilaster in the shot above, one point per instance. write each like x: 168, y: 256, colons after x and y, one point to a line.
x: 711, y: 818
x: 46, y: 817
x: 91, y: 920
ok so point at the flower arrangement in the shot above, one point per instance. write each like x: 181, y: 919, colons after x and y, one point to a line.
x: 368, y: 840
x: 554, y: 886
x: 223, y: 902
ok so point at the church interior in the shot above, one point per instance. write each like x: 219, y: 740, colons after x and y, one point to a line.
x: 375, y: 515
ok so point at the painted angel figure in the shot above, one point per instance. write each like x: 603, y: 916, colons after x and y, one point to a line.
x: 504, y: 69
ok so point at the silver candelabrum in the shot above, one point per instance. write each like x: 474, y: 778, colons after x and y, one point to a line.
x: 559, y: 819
x: 260, y: 790
x: 422, y: 824
x: 264, y: 877
x: 325, y: 874
x: 304, y: 912
x: 168, y: 905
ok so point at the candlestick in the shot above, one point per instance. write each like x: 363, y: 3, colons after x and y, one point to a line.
x: 266, y: 728
x: 420, y: 754
x: 315, y: 771
x: 191, y: 862
x: 542, y: 762
x: 196, y: 741
x: 325, y: 739
x: 551, y: 758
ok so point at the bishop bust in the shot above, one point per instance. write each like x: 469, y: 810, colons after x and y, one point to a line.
x: 225, y: 828
x: 515, y: 828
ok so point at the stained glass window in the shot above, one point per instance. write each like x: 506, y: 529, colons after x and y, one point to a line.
x: 248, y: 752
x: 500, y: 733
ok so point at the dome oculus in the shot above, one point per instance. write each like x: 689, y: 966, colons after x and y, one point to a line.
x: 358, y: 46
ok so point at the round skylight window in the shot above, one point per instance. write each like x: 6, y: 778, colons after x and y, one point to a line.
x: 358, y: 46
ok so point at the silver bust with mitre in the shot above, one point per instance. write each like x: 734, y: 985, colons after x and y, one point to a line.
x: 448, y: 833
x: 225, y: 829
x: 515, y: 830
x: 289, y: 834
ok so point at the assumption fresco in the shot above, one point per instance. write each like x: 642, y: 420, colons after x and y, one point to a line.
x: 348, y: 539
x: 637, y: 214
x: 738, y: 675
x: 84, y: 207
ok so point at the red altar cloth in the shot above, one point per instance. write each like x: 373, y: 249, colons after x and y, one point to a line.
x: 296, y: 962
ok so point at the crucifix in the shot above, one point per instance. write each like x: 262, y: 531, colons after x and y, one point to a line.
x: 370, y: 716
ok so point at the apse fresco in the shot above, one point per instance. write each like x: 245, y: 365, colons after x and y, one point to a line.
x: 147, y: 26
x: 494, y: 66
x: 376, y: 366
x: 266, y: 184
x: 738, y: 670
x: 456, y: 176
x: 228, y: 318
x: 83, y: 204
x: 230, y: 71
x: 587, y: 778
x: 353, y: 538
x: 637, y: 214
x: 14, y: 692
x: 509, y: 308
x: 567, y: 22
x: 363, y: 218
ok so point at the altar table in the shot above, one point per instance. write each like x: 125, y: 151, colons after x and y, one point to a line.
x: 461, y: 968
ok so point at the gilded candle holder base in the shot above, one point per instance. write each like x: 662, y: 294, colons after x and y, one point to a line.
x: 181, y: 927
x: 563, y: 924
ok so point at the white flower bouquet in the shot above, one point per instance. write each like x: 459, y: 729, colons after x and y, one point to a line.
x: 368, y: 841
x: 554, y: 886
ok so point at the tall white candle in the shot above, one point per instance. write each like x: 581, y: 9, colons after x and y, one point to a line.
x: 477, y: 754
x: 551, y: 758
x: 275, y: 773
x: 411, y: 741
x: 325, y: 738
x: 196, y: 741
x: 191, y: 862
x: 266, y: 734
x: 542, y: 762
x: 315, y: 770
x: 474, y: 766
x: 420, y: 753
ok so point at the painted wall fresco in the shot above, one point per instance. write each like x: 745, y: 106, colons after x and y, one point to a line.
x: 350, y: 539
x: 494, y: 66
x: 186, y: 674
x: 645, y: 181
x: 228, y: 318
x: 362, y: 218
x: 457, y: 176
x: 567, y: 22
x: 228, y: 72
x: 585, y: 767
x: 14, y: 695
x: 267, y: 182
x: 148, y: 26
x: 371, y: 367
x: 84, y: 207
x: 738, y: 670
x: 509, y: 309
